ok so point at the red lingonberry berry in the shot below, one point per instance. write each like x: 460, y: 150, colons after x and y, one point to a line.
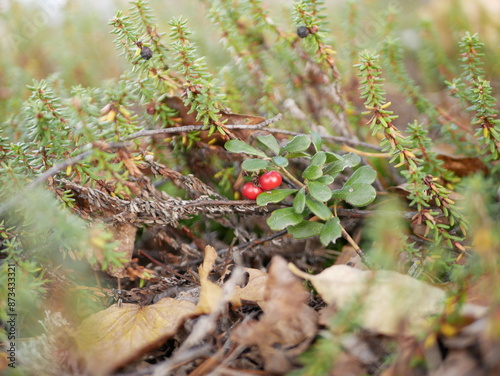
x: 251, y: 191
x: 270, y: 180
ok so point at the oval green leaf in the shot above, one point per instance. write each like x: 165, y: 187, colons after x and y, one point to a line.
x: 299, y: 202
x: 296, y: 144
x: 318, y: 159
x: 305, y: 229
x: 280, y: 161
x: 254, y: 164
x: 269, y: 142
x: 339, y: 194
x: 274, y: 196
x: 359, y: 194
x: 331, y: 231
x: 283, y: 218
x: 326, y: 179
x: 298, y: 154
x: 312, y: 172
x: 238, y: 146
x: 364, y: 174
x: 319, y: 191
x: 332, y: 157
x: 317, y: 140
x: 318, y: 208
x: 348, y: 160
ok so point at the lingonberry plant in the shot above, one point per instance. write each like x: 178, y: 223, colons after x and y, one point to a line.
x: 310, y: 213
x: 144, y: 170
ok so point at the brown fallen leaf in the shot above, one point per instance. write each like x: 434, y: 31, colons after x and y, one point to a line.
x: 287, y: 325
x: 186, y: 117
x: 463, y: 166
x: 115, y: 336
x: 391, y: 301
x: 210, y: 293
x: 254, y: 290
x: 350, y: 257
x: 124, y: 233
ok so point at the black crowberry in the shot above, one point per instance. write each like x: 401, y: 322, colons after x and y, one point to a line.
x: 146, y: 53
x: 302, y: 31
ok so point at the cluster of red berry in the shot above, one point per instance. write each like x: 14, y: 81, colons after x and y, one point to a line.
x: 267, y: 181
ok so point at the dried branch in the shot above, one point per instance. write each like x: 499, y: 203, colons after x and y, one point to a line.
x: 190, y: 183
x: 59, y: 167
x: 193, y: 128
x: 337, y: 139
x: 159, y: 211
x: 167, y: 268
x: 253, y: 243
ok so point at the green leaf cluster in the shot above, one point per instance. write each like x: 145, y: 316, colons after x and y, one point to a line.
x: 310, y: 202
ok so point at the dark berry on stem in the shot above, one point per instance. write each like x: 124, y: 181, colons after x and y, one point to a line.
x: 302, y: 31
x: 146, y: 53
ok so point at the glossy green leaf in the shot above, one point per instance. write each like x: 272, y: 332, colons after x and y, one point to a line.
x: 296, y: 144
x: 298, y: 154
x: 319, y: 191
x: 348, y: 160
x: 359, y: 194
x: 325, y: 179
x: 269, y: 142
x: 276, y: 195
x: 237, y: 146
x: 339, y: 194
x: 318, y: 208
x: 332, y: 157
x: 283, y: 218
x: 312, y: 172
x: 318, y: 159
x: 254, y: 164
x: 331, y: 231
x: 317, y: 140
x: 299, y: 202
x: 364, y: 174
x: 280, y: 161
x: 305, y: 229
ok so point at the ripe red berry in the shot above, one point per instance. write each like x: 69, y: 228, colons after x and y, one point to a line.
x: 270, y: 180
x: 250, y: 191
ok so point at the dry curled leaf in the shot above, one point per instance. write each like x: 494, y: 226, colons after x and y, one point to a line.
x: 390, y: 300
x: 288, y: 324
x: 210, y: 293
x: 254, y: 290
x: 189, y: 117
x: 463, y: 166
x: 111, y: 338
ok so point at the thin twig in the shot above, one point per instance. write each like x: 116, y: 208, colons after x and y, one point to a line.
x: 253, y: 243
x: 365, y: 153
x: 170, y: 270
x: 356, y: 213
x: 338, y: 139
x: 178, y: 359
x: 58, y: 168
x: 46, y: 175
x: 355, y: 245
x: 192, y: 128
